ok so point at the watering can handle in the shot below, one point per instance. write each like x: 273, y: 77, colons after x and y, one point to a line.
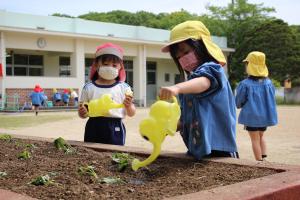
x: 85, y: 104
x: 173, y: 98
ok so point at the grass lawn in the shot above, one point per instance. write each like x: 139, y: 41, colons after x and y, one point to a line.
x: 11, y: 122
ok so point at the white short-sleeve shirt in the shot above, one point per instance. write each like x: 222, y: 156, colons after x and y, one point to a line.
x: 117, y: 90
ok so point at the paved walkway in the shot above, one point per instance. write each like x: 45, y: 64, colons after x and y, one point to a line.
x: 283, y: 140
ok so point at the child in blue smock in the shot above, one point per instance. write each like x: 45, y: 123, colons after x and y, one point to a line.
x: 256, y: 98
x: 36, y: 98
x: 66, y: 97
x: 208, y: 114
x: 56, y: 97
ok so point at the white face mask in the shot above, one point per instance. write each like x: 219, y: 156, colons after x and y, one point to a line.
x: 108, y: 72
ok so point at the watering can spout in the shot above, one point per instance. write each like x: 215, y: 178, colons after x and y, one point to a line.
x: 136, y: 164
x: 162, y: 121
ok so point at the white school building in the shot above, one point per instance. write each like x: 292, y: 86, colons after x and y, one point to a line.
x: 57, y: 52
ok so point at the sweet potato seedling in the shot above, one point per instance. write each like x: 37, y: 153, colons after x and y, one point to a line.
x: 24, y: 155
x: 61, y: 144
x: 3, y: 174
x: 27, y: 146
x: 122, y: 160
x: 88, y: 170
x: 42, y: 180
x: 6, y: 137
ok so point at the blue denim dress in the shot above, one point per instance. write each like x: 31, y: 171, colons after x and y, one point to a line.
x: 209, y: 118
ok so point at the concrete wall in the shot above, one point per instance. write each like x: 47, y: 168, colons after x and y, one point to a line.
x: 292, y: 95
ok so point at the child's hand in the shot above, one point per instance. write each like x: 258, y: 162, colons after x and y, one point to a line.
x: 82, y: 111
x: 167, y: 93
x: 128, y: 100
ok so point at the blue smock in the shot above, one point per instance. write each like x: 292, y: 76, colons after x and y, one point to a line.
x: 257, y: 100
x: 36, y: 98
x: 209, y: 118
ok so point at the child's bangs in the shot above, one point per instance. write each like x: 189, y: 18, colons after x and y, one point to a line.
x: 109, y: 58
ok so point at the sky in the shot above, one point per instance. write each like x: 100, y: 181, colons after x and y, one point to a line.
x: 285, y: 9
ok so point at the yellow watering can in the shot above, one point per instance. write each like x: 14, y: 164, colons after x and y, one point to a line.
x: 100, y: 107
x: 163, y: 121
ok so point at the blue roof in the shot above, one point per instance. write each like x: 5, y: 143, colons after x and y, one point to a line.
x: 87, y: 27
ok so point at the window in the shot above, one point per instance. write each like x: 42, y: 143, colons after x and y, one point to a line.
x: 20, y: 59
x: 35, y: 71
x: 167, y: 77
x: 64, y: 66
x: 151, y: 73
x: 20, y: 71
x: 24, y: 65
x: 88, y: 64
x: 128, y: 65
x: 8, y: 70
x: 177, y: 78
x: 35, y: 60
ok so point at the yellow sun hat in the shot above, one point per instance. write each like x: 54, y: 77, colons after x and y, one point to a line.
x: 256, y: 64
x: 198, y: 31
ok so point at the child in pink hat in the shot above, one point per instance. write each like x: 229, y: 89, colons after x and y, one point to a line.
x: 107, y: 76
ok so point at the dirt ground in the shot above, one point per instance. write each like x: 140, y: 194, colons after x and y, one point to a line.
x: 69, y: 177
x: 283, y: 140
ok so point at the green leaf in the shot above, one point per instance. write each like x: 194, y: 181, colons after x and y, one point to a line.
x: 87, y: 170
x: 3, y: 174
x: 24, y: 155
x: 61, y: 144
x: 5, y: 137
x: 42, y: 180
x: 32, y: 146
x: 122, y: 159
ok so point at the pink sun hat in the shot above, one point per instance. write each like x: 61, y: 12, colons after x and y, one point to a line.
x: 113, y: 49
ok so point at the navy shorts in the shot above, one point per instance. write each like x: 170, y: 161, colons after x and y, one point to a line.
x: 249, y: 128
x: 105, y: 130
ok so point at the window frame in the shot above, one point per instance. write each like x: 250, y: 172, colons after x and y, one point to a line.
x: 25, y: 65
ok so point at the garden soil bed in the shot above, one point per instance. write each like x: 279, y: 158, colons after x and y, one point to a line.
x: 166, y: 177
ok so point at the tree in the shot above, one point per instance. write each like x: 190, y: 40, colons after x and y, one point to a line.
x: 238, y: 17
x: 62, y: 15
x: 277, y: 40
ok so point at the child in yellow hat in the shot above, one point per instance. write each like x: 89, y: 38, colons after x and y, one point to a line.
x: 208, y: 119
x: 256, y: 98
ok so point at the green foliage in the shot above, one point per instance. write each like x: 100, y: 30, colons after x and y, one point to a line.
x: 62, y: 15
x: 276, y: 83
x: 6, y: 137
x: 247, y: 26
x: 24, y: 155
x: 111, y: 180
x: 3, y: 174
x: 282, y: 55
x: 61, y: 144
x: 31, y: 146
x: 122, y: 160
x: 88, y: 170
x: 296, y: 82
x: 19, y: 143
x: 42, y: 180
